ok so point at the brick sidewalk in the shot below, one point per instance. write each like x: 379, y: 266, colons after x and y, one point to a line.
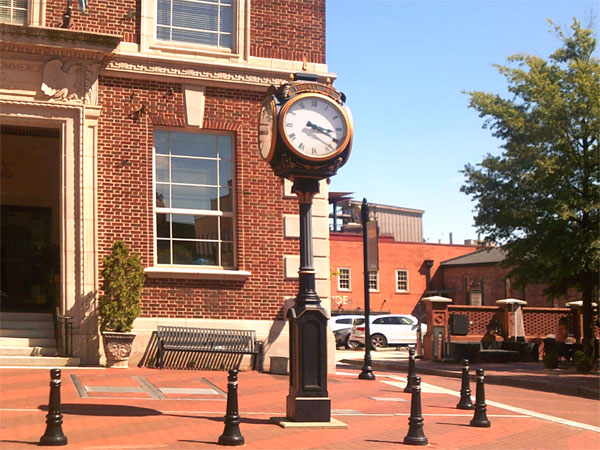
x: 151, y: 409
x: 530, y: 375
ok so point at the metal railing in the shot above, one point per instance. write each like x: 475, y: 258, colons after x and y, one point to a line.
x: 63, y: 332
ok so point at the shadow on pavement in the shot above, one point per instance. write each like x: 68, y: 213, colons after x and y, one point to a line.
x: 199, y: 442
x: 455, y: 424
x: 91, y: 409
x: 6, y: 441
x: 384, y: 442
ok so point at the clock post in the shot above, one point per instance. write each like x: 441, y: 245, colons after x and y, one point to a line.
x: 305, y: 133
x: 308, y: 399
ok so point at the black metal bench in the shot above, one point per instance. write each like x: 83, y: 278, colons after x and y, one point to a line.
x: 497, y: 352
x: 208, y: 340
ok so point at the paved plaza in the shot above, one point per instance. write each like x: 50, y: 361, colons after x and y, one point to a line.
x: 141, y: 408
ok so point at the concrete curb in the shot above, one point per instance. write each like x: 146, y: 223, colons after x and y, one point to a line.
x: 535, y: 385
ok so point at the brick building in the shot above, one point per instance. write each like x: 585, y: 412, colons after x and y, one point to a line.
x: 407, y: 272
x: 137, y: 121
x: 478, y: 279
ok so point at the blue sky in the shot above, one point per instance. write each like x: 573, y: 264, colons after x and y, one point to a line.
x: 404, y: 65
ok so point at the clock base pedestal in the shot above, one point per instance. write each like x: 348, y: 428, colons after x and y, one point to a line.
x: 308, y: 409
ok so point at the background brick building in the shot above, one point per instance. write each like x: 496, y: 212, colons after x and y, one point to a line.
x: 405, y: 268
x: 478, y: 279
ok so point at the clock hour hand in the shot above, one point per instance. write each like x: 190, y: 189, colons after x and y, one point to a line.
x: 322, y: 130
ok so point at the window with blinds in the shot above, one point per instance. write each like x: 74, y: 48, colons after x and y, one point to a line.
x: 13, y: 11
x: 203, y: 22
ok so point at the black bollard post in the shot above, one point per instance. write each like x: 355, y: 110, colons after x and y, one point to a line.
x: 480, y: 417
x: 54, y: 434
x: 465, y: 390
x: 415, y: 435
x: 231, y: 434
x: 411, y: 370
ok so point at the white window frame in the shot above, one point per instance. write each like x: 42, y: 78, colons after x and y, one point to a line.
x: 398, y: 280
x: 171, y: 210
x: 340, y: 278
x: 36, y: 13
x: 373, y: 279
x: 241, y: 35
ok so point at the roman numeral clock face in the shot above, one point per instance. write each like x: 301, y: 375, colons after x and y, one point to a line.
x: 314, y: 127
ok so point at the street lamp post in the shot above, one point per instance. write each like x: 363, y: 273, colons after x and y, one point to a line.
x: 367, y: 369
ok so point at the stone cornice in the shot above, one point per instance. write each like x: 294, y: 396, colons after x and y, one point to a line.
x: 57, y: 41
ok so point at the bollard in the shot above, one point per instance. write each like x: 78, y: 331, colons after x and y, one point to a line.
x: 54, y: 434
x: 465, y: 390
x: 411, y: 369
x: 480, y: 417
x: 415, y: 435
x: 231, y: 434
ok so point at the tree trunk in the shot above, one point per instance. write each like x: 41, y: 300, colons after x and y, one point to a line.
x: 588, y: 316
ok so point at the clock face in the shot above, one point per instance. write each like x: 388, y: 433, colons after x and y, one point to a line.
x: 267, y: 129
x: 314, y: 126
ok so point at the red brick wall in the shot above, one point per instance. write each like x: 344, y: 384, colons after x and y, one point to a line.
x: 120, y: 18
x: 346, y: 251
x: 288, y: 29
x: 125, y: 199
x: 494, y: 286
x: 281, y: 29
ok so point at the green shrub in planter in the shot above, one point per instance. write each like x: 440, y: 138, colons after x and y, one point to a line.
x: 122, y: 283
x: 550, y: 360
x: 583, y: 363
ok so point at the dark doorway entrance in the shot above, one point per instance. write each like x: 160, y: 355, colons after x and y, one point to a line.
x: 29, y: 218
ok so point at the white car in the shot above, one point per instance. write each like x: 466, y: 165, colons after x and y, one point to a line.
x: 388, y: 330
x: 345, y: 321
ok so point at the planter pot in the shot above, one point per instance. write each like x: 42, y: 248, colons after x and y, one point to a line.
x: 117, y: 347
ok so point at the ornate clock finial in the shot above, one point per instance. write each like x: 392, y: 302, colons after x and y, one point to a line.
x: 304, y: 64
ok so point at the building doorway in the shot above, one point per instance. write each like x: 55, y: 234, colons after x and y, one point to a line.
x: 29, y: 218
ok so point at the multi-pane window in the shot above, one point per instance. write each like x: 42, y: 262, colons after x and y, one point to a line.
x: 13, y: 11
x: 343, y: 279
x: 401, y: 280
x: 205, y: 22
x: 373, y: 281
x: 194, y: 199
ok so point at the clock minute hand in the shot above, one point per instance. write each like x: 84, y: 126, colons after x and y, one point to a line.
x: 318, y: 128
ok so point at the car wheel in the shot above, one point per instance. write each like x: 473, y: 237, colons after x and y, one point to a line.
x: 351, y: 345
x: 378, y: 341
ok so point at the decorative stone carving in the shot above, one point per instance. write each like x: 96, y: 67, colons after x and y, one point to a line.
x: 164, y: 69
x: 117, y: 347
x: 90, y: 84
x: 62, y: 83
x: 439, y: 317
x: 71, y: 81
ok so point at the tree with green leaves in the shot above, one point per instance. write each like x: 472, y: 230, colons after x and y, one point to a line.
x: 122, y: 283
x: 540, y: 198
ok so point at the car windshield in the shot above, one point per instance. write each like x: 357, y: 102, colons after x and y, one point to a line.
x: 359, y: 321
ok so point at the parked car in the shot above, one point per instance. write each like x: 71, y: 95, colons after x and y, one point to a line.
x: 342, y: 339
x: 345, y: 321
x: 387, y: 330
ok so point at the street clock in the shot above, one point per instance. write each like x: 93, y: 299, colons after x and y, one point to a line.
x: 305, y: 129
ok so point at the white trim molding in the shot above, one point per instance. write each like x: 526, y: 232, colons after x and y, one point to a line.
x: 196, y: 274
